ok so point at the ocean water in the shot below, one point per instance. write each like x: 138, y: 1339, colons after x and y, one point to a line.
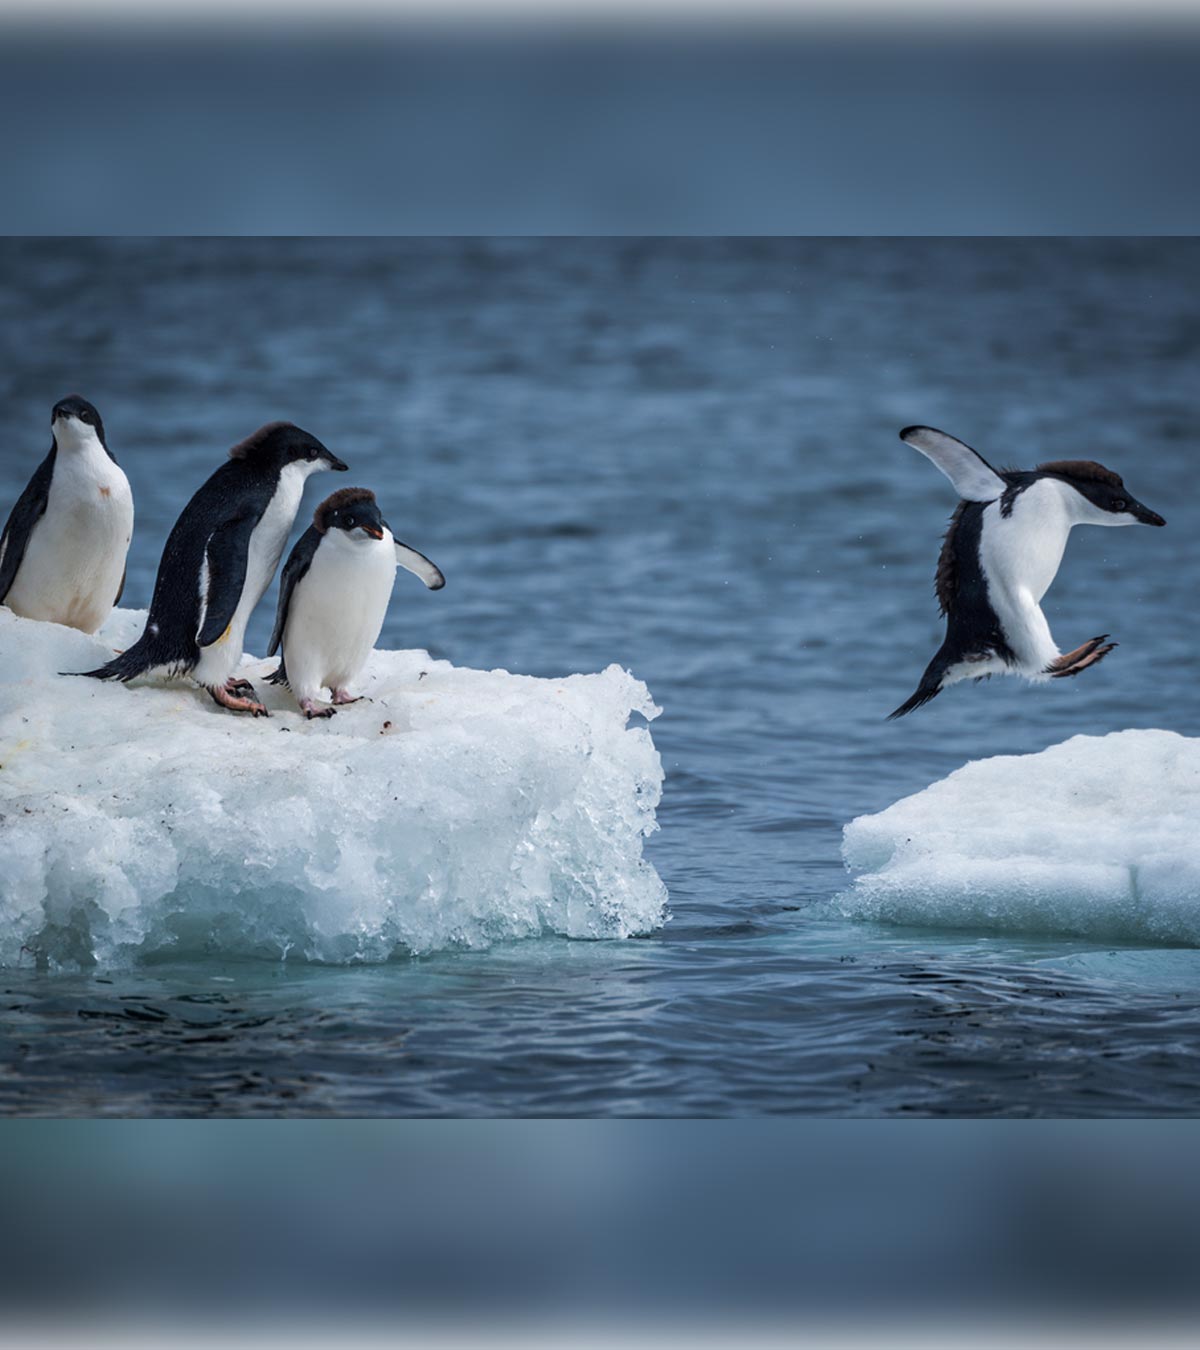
x: 678, y: 455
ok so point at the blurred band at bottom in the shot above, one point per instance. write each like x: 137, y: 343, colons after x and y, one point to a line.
x: 506, y: 1224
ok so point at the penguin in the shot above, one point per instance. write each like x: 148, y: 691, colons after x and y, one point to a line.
x: 1002, y: 550
x: 218, y: 562
x: 63, y: 550
x: 334, y: 595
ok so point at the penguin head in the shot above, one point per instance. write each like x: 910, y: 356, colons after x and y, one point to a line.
x: 353, y: 511
x: 1105, y: 500
x: 75, y: 422
x: 280, y: 444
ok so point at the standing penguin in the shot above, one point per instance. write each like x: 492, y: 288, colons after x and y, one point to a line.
x: 334, y: 596
x: 218, y: 562
x: 1000, y: 554
x: 62, y: 554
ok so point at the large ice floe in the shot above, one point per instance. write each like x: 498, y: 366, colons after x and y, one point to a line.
x: 457, y: 808
x: 1098, y: 837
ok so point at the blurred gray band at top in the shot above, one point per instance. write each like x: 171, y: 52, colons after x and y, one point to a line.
x: 526, y: 129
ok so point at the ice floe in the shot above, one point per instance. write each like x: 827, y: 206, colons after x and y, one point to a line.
x: 458, y: 807
x: 1098, y: 837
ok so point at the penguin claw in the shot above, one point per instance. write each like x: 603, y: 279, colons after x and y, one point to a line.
x: 311, y: 713
x: 226, y: 698
x: 1073, y: 663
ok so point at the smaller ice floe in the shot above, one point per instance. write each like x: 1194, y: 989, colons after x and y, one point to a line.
x: 457, y: 808
x: 1098, y: 837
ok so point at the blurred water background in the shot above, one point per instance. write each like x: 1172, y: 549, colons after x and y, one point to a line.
x: 686, y: 1232
x: 679, y: 455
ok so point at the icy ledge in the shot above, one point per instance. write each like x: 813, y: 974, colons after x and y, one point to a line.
x: 458, y: 808
x: 1098, y: 837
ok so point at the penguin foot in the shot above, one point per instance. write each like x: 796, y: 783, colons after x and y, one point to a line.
x: 1072, y: 663
x: 239, y: 688
x: 311, y: 709
x: 341, y: 697
x: 224, y: 696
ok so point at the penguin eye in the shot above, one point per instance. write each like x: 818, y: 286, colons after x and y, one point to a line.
x: 1119, y: 504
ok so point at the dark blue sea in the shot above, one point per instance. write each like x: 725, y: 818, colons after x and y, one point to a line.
x: 680, y: 456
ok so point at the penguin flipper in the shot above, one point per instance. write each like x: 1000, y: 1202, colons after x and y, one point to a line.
x: 973, y: 477
x: 298, y: 563
x: 226, y: 554
x: 30, y: 507
x: 418, y: 564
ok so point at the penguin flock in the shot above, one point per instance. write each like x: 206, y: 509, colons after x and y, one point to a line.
x: 63, y: 551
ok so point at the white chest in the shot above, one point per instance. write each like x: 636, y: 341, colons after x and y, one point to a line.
x: 89, y: 493
x: 271, y: 535
x: 1023, y: 551
x: 338, y: 609
x: 75, y: 557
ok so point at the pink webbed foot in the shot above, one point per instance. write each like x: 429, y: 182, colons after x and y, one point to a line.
x: 312, y: 709
x: 237, y: 701
x: 343, y: 696
x: 1072, y: 663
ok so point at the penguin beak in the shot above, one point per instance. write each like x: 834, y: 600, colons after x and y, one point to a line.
x: 1144, y: 515
x: 334, y: 463
x: 373, y: 530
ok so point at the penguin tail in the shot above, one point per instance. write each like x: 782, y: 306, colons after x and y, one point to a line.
x: 279, y: 676
x: 918, y: 700
x: 929, y: 688
x: 129, y: 664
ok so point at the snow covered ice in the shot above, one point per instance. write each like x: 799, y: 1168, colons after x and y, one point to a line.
x: 459, y: 807
x: 1098, y: 837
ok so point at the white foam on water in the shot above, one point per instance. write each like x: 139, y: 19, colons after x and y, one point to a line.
x: 1098, y: 837
x: 458, y: 808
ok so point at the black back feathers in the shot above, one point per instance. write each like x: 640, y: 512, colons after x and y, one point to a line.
x: 30, y: 507
x: 298, y: 563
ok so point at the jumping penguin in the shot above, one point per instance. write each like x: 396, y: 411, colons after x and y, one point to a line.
x: 334, y: 595
x: 62, y: 554
x: 218, y: 562
x: 1002, y: 550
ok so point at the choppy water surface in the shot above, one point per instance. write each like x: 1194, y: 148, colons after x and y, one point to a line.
x: 680, y: 456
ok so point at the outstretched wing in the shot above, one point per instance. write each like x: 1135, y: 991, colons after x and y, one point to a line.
x: 973, y: 477
x: 418, y: 564
x: 30, y: 507
x: 298, y: 563
x: 225, y: 556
